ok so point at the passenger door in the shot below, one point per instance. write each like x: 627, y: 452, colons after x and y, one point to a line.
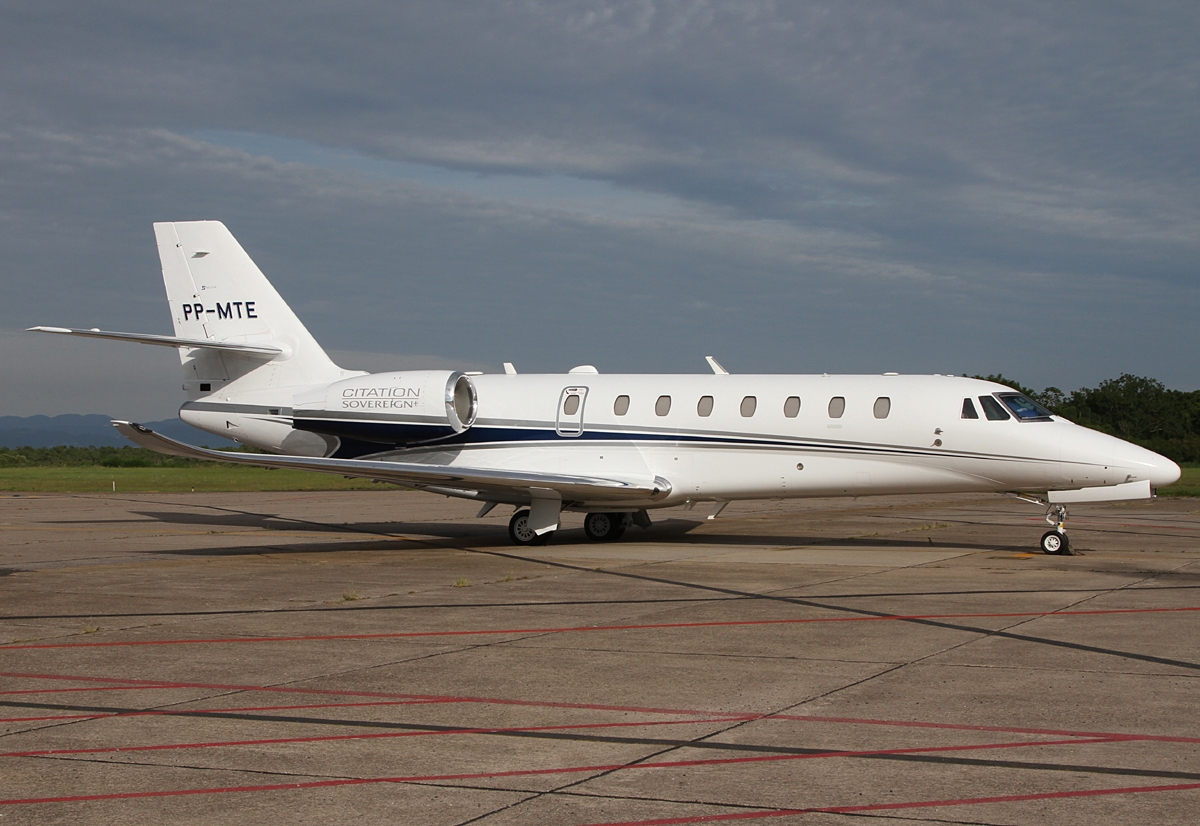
x: 570, y: 411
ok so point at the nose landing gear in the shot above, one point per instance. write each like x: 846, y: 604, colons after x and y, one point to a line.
x: 1055, y: 541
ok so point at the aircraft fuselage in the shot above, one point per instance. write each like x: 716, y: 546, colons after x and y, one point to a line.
x: 713, y: 437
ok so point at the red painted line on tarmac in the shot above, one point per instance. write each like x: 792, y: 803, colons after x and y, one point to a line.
x: 184, y: 712
x: 1124, y: 523
x: 610, y: 767
x: 65, y: 690
x: 430, y: 698
x: 657, y: 626
x: 1167, y: 738
x: 52, y: 717
x: 914, y: 804
x: 327, y: 738
x: 732, y: 716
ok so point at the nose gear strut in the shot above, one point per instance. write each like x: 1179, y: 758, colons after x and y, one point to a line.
x: 1054, y: 541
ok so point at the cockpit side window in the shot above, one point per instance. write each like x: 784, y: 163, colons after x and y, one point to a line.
x: 992, y: 409
x: 969, y: 411
x: 1025, y: 408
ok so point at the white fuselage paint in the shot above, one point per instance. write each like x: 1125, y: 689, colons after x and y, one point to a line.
x: 922, y: 445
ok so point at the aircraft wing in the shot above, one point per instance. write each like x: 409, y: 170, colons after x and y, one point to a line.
x: 507, y: 486
x: 164, y: 341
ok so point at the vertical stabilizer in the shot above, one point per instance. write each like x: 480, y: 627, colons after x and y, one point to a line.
x: 217, y: 293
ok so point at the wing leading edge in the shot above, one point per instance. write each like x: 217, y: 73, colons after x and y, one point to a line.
x: 506, y: 485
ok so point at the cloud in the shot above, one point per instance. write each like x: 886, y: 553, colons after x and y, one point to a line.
x: 791, y: 186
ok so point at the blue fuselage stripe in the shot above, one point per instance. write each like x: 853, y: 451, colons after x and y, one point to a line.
x: 374, y: 437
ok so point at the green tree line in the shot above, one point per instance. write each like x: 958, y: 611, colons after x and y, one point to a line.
x: 1134, y: 408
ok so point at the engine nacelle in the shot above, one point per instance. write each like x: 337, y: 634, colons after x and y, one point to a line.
x: 404, y: 408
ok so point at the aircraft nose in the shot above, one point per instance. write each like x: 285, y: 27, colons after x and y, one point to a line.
x: 1165, y: 472
x: 1147, y: 464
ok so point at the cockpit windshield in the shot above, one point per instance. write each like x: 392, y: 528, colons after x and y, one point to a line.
x: 993, y: 410
x: 1025, y: 408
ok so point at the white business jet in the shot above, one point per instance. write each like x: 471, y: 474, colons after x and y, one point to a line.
x: 610, y: 446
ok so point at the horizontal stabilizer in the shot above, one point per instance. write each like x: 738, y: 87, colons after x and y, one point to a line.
x: 416, y: 474
x: 166, y: 341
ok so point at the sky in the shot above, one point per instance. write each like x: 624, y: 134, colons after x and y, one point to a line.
x: 958, y: 187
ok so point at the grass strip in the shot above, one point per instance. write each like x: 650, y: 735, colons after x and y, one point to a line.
x: 1188, y: 484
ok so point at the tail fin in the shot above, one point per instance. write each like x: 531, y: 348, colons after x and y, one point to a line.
x: 217, y: 293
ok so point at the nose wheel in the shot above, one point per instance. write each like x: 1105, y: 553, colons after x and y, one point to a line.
x: 1055, y: 541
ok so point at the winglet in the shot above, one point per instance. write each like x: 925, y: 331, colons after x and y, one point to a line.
x: 716, y: 366
x: 143, y: 436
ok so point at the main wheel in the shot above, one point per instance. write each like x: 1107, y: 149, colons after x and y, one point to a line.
x: 622, y: 522
x: 520, y: 532
x: 604, y: 527
x: 1056, y: 543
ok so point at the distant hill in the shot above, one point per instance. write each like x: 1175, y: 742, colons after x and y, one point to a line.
x: 92, y: 430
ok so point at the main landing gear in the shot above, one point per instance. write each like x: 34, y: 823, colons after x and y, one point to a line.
x: 521, y: 533
x: 606, y: 527
x: 1055, y: 541
x: 599, y: 527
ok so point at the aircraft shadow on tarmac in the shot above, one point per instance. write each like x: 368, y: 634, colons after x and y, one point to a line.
x: 491, y: 535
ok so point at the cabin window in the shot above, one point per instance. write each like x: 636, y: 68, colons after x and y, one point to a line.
x: 748, y: 406
x: 704, y: 406
x: 969, y: 411
x: 663, y: 406
x: 621, y: 406
x: 791, y: 407
x: 837, y: 406
x: 883, y: 406
x: 1025, y: 408
x: 571, y: 405
x: 992, y: 409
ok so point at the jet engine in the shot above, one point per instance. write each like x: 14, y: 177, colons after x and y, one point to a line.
x: 405, y: 408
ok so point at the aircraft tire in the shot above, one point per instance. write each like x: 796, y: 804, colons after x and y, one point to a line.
x: 604, y: 527
x: 1055, y: 543
x: 520, y: 532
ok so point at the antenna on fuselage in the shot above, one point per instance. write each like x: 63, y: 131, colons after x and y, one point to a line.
x: 716, y: 366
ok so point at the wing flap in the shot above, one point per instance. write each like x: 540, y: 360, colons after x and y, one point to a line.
x: 165, y: 341
x: 584, y: 488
